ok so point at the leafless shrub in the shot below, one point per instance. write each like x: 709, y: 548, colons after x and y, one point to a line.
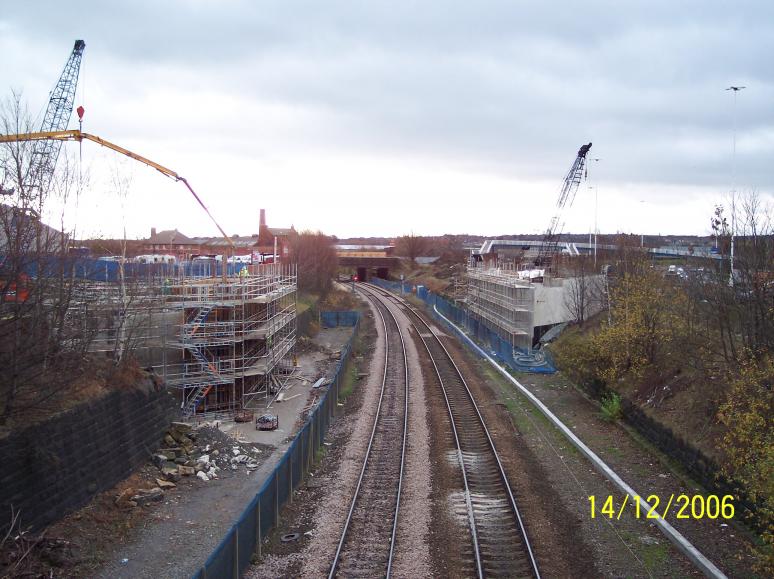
x: 42, y: 345
x: 316, y: 258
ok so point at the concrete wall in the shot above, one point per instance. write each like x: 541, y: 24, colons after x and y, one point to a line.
x: 57, y: 466
x: 551, y: 300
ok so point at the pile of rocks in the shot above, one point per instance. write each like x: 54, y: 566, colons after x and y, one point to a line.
x: 180, y: 456
x: 203, y: 453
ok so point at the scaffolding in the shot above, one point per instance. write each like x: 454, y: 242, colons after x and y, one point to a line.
x: 499, y: 297
x: 223, y: 342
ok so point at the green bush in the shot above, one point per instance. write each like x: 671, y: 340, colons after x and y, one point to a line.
x: 611, y: 407
x: 578, y: 357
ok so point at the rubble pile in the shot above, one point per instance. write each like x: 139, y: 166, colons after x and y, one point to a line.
x: 204, y: 452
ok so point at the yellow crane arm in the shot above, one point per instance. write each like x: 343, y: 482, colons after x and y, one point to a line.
x: 76, y: 135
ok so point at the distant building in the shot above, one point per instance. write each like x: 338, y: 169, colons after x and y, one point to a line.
x: 260, y: 246
x: 171, y: 242
x: 265, y: 244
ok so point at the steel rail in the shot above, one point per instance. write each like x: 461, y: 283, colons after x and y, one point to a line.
x: 504, y: 479
x: 337, y: 558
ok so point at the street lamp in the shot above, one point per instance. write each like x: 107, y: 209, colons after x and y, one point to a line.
x: 596, y: 207
x: 735, y: 89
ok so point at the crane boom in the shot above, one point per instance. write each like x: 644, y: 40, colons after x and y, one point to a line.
x: 58, y: 112
x: 76, y: 135
x: 569, y: 189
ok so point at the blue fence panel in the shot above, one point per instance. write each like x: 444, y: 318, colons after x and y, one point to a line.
x: 283, y: 479
x: 296, y: 461
x: 268, y: 505
x: 100, y: 270
x: 339, y: 319
x: 393, y: 286
x: 221, y: 562
x: 305, y: 443
x: 247, y: 530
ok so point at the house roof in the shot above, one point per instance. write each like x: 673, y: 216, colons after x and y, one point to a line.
x: 170, y: 237
x: 280, y: 231
x: 238, y: 241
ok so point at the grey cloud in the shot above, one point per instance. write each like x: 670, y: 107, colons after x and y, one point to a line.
x: 508, y: 87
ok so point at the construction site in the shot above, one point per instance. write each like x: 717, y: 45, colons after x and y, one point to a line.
x: 368, y: 409
x: 220, y: 330
x: 504, y: 301
x: 224, y: 343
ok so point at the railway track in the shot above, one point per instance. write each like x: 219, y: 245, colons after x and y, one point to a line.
x: 499, y: 543
x: 367, y: 542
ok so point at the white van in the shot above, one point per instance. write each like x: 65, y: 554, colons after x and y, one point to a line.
x: 156, y: 258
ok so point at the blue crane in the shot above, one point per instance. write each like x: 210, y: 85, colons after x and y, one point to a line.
x: 58, y: 112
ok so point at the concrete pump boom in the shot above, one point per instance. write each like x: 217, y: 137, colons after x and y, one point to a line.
x: 75, y: 135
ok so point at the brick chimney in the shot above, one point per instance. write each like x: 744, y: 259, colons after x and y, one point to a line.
x: 153, y: 231
x: 262, y: 222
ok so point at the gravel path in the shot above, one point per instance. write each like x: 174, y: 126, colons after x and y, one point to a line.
x: 188, y: 527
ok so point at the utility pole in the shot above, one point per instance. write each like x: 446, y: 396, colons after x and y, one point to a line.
x: 596, y: 226
x: 736, y: 89
x: 596, y: 209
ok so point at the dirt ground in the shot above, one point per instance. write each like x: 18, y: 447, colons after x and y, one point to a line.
x: 726, y: 543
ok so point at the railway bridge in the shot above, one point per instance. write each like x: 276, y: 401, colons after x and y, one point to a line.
x: 368, y: 262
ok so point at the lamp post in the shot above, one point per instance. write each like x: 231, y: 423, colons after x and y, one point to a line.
x: 735, y: 89
x: 596, y: 207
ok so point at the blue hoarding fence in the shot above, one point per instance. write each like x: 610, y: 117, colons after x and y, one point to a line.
x: 232, y: 556
x: 108, y: 271
x: 521, y: 361
x: 339, y: 319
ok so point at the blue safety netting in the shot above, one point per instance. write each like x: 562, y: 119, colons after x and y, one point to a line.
x: 337, y: 319
x: 537, y: 361
x: 99, y: 270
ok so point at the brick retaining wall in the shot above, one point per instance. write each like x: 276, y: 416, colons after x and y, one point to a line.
x: 56, y: 467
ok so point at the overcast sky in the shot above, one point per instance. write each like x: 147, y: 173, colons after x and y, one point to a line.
x: 380, y: 118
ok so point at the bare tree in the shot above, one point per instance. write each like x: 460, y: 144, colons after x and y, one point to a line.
x: 754, y: 272
x: 582, y: 288
x: 630, y: 257
x: 41, y: 349
x: 411, y: 246
x: 315, y: 255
